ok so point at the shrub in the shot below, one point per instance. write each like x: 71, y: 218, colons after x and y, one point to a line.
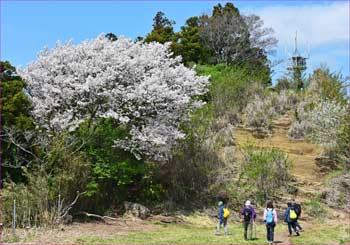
x: 258, y: 114
x: 342, y: 151
x: 326, y: 119
x: 283, y: 84
x: 284, y: 101
x: 35, y: 204
x: 231, y: 87
x: 116, y: 175
x: 299, y: 130
x: 301, y: 127
x: 262, y: 109
x: 315, y: 209
x: 337, y: 192
x: 264, y: 173
x: 328, y: 85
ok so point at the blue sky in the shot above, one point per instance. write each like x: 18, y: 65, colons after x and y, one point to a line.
x: 27, y: 26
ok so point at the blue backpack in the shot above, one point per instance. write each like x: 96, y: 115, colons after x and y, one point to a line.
x: 269, y: 216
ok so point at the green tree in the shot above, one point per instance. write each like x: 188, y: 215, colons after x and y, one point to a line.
x: 16, y: 104
x: 111, y: 36
x: 162, y: 31
x: 234, y: 39
x: 117, y: 175
x: 226, y: 34
x: 328, y: 85
x: 15, y: 113
x: 229, y: 8
x: 188, y: 43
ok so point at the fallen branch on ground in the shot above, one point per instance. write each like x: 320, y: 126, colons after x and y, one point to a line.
x: 104, y: 218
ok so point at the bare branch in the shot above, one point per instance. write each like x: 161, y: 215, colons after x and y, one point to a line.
x: 65, y: 210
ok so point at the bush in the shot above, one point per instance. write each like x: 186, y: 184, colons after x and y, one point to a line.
x: 264, y: 173
x: 284, y: 101
x: 258, y: 115
x: 315, y: 209
x: 299, y: 130
x: 326, y: 119
x: 328, y: 85
x: 116, y: 175
x: 262, y: 109
x: 337, y: 192
x: 35, y: 204
x: 231, y: 87
x: 283, y: 84
x: 342, y: 151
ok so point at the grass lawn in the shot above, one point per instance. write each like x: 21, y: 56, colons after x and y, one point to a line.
x: 199, y: 230
x: 196, y: 234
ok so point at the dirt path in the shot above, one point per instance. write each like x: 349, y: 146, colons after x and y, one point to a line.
x: 301, y: 153
x: 283, y: 238
x: 70, y: 233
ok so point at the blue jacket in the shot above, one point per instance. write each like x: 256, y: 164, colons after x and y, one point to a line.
x: 221, y: 212
x: 286, y: 215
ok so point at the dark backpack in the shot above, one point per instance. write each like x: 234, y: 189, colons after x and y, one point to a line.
x: 297, y: 208
x: 247, y: 214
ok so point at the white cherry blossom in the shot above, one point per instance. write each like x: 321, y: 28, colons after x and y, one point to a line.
x: 137, y: 84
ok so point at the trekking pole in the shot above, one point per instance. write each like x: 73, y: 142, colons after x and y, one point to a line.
x: 254, y: 230
x: 14, y: 218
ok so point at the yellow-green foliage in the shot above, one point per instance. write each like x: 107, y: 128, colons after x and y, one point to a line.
x: 34, y: 204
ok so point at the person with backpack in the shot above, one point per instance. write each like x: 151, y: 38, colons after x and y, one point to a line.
x: 297, y: 207
x: 249, y: 216
x: 224, y: 214
x: 270, y: 219
x: 290, y: 216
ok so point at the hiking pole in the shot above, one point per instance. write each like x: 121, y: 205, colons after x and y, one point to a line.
x: 14, y: 218
x: 254, y: 229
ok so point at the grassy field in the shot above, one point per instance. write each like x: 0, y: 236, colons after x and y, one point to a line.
x: 199, y: 230
x: 189, y: 234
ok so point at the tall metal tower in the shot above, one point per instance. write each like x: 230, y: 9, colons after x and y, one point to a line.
x: 297, y: 66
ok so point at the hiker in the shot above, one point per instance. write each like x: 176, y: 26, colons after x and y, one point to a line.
x: 270, y: 219
x: 297, y: 207
x: 290, y: 216
x: 249, y: 216
x: 223, y: 216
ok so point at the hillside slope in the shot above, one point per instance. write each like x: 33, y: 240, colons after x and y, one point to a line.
x: 309, y: 179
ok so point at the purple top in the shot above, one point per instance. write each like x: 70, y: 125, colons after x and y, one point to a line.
x: 252, y: 209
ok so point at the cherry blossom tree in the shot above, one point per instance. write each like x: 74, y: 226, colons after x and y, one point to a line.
x: 139, y: 85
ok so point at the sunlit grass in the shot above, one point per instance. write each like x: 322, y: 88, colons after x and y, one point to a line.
x: 204, y: 234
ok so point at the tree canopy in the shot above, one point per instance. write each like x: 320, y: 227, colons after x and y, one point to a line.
x: 138, y: 85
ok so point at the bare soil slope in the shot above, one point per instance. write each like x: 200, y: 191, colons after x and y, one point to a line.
x: 301, y: 153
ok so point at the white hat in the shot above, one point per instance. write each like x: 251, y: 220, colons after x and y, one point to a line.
x: 247, y: 203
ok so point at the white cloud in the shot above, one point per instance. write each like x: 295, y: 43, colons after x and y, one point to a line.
x: 317, y: 24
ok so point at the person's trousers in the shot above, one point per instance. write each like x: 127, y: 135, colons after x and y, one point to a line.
x: 248, y: 230
x: 224, y: 223
x: 270, y: 232
x: 297, y: 225
x: 292, y: 225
